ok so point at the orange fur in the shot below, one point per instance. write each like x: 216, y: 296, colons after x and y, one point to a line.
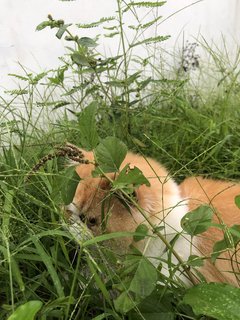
x: 164, y: 203
x: 220, y: 195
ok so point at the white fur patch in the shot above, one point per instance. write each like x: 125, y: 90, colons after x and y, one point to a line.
x: 155, y: 248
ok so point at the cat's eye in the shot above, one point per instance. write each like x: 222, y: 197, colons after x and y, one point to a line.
x: 82, y: 217
x: 91, y: 222
x: 134, y: 195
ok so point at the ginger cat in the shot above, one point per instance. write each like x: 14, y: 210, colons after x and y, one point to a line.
x: 164, y: 204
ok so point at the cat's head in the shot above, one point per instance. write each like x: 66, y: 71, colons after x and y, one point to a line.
x: 105, y: 211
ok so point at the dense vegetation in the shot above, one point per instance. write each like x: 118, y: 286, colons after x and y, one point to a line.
x: 166, y: 113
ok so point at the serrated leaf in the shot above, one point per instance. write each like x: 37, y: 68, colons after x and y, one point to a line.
x: 96, y: 23
x: 218, y: 300
x: 111, y: 35
x: 198, y: 220
x: 87, y: 126
x: 17, y: 92
x: 150, y: 40
x: 26, y: 311
x: 147, y: 4
x: 110, y: 153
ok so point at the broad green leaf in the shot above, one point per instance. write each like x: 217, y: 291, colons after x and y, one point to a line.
x: 218, y: 248
x: 130, y: 177
x: 159, y: 305
x: 237, y: 201
x: 143, y: 278
x: 142, y: 229
x: 87, y: 42
x: 69, y: 186
x: 218, y: 300
x: 26, y: 311
x: 195, y: 261
x: 110, y: 153
x: 87, y: 126
x: 198, y: 220
x: 125, y: 302
x: 80, y: 59
x: 230, y: 240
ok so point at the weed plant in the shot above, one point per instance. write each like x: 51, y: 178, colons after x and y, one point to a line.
x: 91, y: 100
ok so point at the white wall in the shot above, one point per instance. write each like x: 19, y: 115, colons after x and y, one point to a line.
x: 40, y: 50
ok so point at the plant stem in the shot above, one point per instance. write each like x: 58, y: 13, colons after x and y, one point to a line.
x: 126, y: 122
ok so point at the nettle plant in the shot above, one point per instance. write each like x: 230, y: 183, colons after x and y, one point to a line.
x: 112, y: 81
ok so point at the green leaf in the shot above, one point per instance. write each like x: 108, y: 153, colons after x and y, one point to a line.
x: 143, y: 230
x: 26, y: 311
x: 50, y: 23
x: 218, y: 248
x: 110, y: 153
x: 69, y: 184
x: 142, y: 283
x: 150, y: 40
x: 87, y: 126
x: 198, y: 220
x: 44, y: 25
x: 96, y: 23
x: 47, y: 260
x: 124, y: 302
x: 132, y: 178
x: 230, y: 240
x: 80, y: 59
x: 147, y: 4
x: 237, y: 201
x: 62, y: 30
x: 218, y: 300
x: 87, y: 42
x: 195, y: 261
x: 159, y: 305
